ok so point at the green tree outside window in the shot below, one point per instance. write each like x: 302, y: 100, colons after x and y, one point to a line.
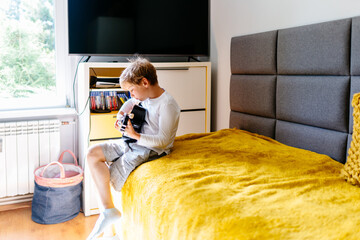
x: 27, y: 48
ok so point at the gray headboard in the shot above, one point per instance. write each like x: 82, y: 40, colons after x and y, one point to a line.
x: 296, y: 85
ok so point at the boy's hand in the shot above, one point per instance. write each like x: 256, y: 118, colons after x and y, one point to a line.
x: 118, y: 122
x: 130, y: 131
x: 116, y: 125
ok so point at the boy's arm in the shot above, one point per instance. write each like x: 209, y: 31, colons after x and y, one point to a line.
x: 126, y: 107
x: 168, y: 124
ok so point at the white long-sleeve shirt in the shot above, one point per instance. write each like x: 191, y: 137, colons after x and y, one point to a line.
x: 162, y: 119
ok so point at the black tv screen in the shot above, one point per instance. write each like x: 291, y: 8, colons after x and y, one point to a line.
x: 147, y: 27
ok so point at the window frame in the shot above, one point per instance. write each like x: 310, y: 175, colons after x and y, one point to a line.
x: 63, y: 73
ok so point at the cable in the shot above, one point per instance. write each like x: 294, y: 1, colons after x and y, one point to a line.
x: 88, y: 58
x: 87, y: 102
x: 94, y: 71
x: 75, y: 81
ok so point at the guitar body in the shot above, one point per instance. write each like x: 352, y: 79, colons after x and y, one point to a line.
x: 137, y: 119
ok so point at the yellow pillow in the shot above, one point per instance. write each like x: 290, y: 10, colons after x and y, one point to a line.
x: 351, y: 170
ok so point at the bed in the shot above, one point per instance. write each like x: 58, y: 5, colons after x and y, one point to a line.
x: 278, y: 171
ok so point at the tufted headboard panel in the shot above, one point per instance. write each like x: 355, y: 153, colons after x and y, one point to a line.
x: 296, y: 85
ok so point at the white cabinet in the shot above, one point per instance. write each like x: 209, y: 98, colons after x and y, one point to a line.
x: 188, y: 82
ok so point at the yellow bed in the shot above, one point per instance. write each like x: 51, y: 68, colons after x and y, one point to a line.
x: 294, y: 85
x: 232, y: 184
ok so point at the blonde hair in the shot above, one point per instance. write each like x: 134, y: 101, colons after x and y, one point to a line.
x: 138, y: 69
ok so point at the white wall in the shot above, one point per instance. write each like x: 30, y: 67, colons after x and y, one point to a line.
x: 231, y: 18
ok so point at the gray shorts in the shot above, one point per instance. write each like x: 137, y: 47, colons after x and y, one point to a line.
x: 124, y: 158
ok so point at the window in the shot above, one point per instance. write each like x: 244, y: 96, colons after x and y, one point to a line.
x: 30, y: 55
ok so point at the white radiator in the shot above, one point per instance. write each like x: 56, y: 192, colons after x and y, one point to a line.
x: 23, y: 147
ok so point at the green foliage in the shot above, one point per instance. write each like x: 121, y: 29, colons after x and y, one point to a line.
x: 27, y: 47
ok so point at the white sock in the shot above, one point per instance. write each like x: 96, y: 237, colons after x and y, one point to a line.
x: 106, y: 218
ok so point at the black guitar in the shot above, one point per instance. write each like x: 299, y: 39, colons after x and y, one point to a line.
x: 137, y: 119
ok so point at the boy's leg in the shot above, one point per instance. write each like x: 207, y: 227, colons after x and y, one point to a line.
x: 101, y: 176
x: 128, y: 160
x: 121, y: 169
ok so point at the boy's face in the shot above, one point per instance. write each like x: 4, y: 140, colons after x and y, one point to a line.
x: 138, y: 92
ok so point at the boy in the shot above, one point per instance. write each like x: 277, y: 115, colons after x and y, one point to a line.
x: 155, y: 140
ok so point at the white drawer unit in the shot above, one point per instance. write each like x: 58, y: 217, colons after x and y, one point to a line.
x: 192, y: 122
x: 188, y: 82
x: 187, y: 86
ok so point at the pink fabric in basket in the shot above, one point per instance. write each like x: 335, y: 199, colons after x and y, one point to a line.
x: 68, y: 174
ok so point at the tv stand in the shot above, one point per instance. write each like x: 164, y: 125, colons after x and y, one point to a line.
x: 87, y: 59
x: 191, y: 57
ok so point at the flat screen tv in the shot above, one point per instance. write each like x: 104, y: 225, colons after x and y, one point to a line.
x: 146, y: 27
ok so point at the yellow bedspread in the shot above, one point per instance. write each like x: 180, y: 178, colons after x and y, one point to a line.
x: 232, y: 184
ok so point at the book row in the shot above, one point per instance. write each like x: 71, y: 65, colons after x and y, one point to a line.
x: 106, y: 101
